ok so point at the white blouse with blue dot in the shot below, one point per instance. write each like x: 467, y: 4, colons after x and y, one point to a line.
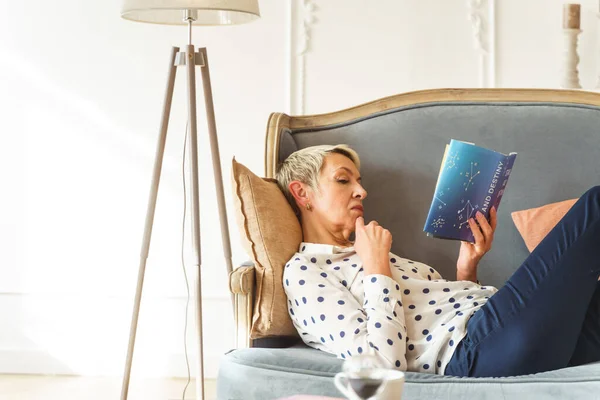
x: 412, y: 322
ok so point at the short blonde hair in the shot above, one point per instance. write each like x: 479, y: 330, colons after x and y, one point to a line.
x: 305, y: 165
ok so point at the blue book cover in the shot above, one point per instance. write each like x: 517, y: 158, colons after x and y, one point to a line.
x: 471, y: 179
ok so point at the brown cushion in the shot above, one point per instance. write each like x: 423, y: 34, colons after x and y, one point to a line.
x: 535, y: 223
x: 271, y: 235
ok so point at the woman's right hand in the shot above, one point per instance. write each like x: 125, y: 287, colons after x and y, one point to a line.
x: 372, y: 244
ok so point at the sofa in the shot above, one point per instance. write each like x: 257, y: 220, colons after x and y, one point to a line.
x: 401, y: 140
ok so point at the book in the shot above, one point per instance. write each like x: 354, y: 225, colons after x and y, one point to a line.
x: 471, y: 179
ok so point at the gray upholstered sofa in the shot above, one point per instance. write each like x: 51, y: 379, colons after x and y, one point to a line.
x: 401, y: 141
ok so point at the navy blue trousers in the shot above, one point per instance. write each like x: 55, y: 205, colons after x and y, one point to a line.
x: 547, y: 315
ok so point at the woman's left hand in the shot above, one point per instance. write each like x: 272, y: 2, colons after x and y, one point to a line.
x: 471, y: 253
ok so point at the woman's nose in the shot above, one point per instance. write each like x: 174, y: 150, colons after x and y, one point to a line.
x: 361, y: 192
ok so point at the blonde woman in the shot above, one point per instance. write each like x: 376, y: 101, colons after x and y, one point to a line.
x: 348, y: 297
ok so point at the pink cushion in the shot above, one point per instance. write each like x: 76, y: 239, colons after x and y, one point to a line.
x: 535, y: 223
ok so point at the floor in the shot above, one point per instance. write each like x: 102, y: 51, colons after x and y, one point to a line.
x: 55, y: 387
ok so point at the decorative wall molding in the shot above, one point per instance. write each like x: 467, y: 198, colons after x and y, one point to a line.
x: 37, y: 344
x: 42, y: 362
x: 301, y: 18
x: 570, y: 62
x: 126, y: 298
x: 482, y: 15
x: 476, y: 16
x: 289, y: 59
x: 309, y: 8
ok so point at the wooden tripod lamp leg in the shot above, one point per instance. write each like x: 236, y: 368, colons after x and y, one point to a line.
x: 160, y: 149
x: 195, y: 211
x: 218, y: 178
x: 216, y: 160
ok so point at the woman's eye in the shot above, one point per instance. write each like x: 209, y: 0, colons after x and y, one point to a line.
x: 342, y: 181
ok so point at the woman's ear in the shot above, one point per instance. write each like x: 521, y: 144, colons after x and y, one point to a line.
x: 300, y: 192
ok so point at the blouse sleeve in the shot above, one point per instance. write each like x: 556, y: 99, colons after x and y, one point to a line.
x: 323, y: 308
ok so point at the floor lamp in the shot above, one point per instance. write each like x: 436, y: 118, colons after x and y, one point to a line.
x: 186, y: 12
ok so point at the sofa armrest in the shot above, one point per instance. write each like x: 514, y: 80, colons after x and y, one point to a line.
x: 241, y: 284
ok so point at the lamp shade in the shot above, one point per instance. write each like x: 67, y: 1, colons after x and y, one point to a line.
x: 209, y: 12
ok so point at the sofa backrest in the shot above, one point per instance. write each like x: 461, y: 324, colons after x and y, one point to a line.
x: 401, y: 141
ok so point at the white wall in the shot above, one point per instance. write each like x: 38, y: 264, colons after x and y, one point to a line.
x: 81, y: 97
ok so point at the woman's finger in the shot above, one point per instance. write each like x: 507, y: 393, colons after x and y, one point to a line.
x: 485, y: 226
x: 479, y: 239
x: 360, y: 223
x: 493, y: 218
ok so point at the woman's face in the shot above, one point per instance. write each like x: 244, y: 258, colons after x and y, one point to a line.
x: 339, y: 198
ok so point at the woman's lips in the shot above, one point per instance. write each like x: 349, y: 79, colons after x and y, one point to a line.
x: 359, y: 208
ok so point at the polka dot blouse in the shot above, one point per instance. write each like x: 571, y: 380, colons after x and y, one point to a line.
x: 412, y: 322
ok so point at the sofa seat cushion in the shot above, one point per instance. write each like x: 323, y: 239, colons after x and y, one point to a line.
x: 272, y: 373
x: 298, y: 359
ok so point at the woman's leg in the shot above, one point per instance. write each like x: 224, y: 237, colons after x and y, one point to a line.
x: 588, y: 344
x: 533, y: 323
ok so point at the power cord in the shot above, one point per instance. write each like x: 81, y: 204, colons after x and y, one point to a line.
x: 183, y: 263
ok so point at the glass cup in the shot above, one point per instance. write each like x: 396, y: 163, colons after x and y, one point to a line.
x: 364, y: 377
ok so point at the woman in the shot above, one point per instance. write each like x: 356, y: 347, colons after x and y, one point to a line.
x: 346, y: 297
